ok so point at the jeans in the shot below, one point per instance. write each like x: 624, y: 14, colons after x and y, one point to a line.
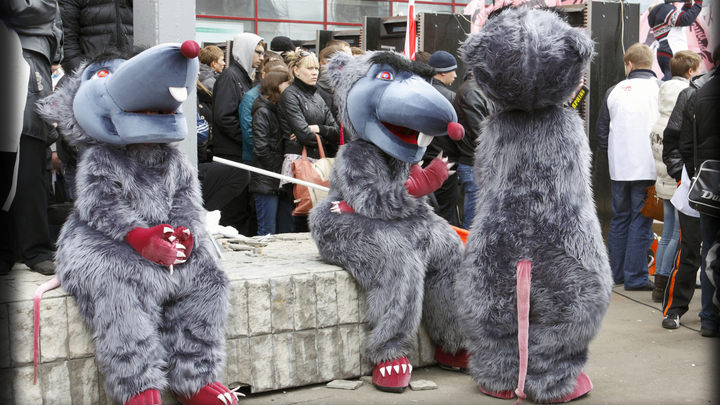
x: 668, y: 241
x: 467, y: 181
x: 709, y: 227
x: 630, y: 233
x: 274, y: 213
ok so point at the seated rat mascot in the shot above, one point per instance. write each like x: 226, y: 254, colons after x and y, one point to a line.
x: 135, y: 252
x: 375, y: 222
x: 535, y: 281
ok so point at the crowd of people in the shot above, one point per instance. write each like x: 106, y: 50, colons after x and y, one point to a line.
x: 654, y: 135
x: 284, y: 104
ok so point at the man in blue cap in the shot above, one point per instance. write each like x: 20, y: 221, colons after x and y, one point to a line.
x: 446, y: 196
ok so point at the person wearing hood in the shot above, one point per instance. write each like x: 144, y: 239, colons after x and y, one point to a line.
x: 248, y: 51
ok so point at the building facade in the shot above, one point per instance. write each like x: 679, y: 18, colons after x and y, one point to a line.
x: 220, y: 20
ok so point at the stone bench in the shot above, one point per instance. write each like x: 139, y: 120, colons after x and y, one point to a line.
x: 294, y: 321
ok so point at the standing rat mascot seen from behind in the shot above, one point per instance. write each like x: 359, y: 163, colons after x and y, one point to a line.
x: 375, y: 222
x: 135, y: 252
x: 535, y: 282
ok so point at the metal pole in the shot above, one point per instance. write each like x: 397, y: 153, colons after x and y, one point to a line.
x: 271, y: 174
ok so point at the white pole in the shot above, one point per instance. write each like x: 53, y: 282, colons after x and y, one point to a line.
x: 268, y: 173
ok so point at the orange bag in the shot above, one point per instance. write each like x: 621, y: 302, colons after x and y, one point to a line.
x: 318, y: 173
x: 653, y: 207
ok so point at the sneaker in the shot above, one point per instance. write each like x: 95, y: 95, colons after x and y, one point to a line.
x: 671, y: 321
x: 705, y: 332
x: 46, y: 268
x: 647, y: 287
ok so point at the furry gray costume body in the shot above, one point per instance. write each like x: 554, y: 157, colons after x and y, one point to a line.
x: 535, y: 203
x: 153, y: 329
x: 399, y: 251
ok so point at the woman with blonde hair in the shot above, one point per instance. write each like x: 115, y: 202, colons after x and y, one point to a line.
x: 304, y: 117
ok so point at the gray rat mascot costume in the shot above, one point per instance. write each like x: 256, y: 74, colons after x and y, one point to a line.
x: 135, y: 252
x: 375, y: 223
x: 535, y: 281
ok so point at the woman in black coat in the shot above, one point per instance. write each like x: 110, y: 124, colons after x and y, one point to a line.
x: 273, y: 205
x: 303, y: 115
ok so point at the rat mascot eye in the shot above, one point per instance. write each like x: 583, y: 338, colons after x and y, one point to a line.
x: 385, y: 75
x: 101, y: 73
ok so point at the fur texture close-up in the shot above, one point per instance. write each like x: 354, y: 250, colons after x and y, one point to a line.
x: 399, y: 251
x: 535, y: 203
x: 154, y: 329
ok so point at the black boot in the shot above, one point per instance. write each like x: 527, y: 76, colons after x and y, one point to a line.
x: 659, y: 290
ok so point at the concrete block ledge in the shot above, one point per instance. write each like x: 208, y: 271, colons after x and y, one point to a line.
x: 293, y: 321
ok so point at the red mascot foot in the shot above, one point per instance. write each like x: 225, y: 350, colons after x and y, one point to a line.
x: 456, y: 362
x: 212, y: 394
x: 392, y: 376
x: 147, y: 397
x: 584, y: 385
x: 509, y: 394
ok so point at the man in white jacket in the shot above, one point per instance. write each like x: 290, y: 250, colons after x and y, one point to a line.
x: 623, y: 129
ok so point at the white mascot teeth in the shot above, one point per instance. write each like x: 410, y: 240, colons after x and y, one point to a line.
x: 424, y: 140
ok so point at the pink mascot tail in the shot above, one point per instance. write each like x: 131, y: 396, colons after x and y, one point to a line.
x: 523, y: 309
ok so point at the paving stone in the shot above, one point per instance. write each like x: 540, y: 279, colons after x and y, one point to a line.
x: 24, y: 392
x: 20, y: 316
x: 328, y: 353
x: 263, y: 366
x: 80, y: 342
x: 283, y: 299
x: 306, y: 357
x: 53, y: 329
x: 237, y: 366
x: 349, y: 350
x: 327, y: 308
x: 55, y: 382
x: 345, y: 384
x: 4, y: 337
x: 426, y: 347
x: 84, y: 381
x: 237, y: 323
x: 367, y: 379
x: 304, y: 308
x: 422, y: 385
x: 284, y: 347
x: 362, y: 305
x: 347, y: 298
x: 259, y: 311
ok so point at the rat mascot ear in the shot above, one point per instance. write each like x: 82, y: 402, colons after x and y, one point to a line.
x: 335, y: 65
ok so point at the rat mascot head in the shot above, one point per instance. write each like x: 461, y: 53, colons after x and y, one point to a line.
x: 115, y: 101
x: 384, y: 99
x: 529, y: 65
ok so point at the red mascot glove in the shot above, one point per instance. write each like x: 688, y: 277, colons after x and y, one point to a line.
x: 424, y: 181
x: 147, y: 397
x: 341, y: 207
x: 156, y: 244
x: 212, y: 394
